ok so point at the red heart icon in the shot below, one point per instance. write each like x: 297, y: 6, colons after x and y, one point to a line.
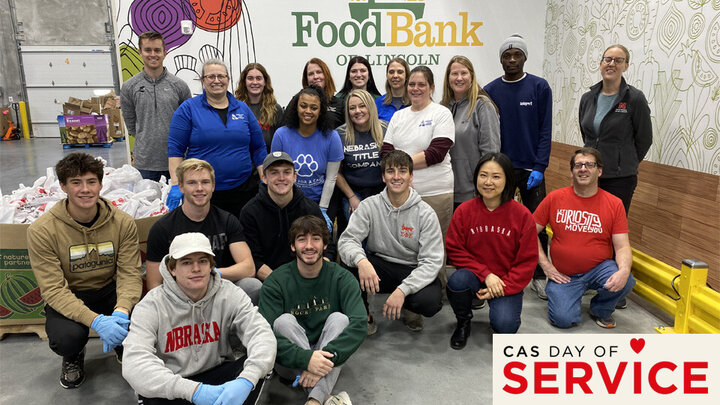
x: 637, y: 344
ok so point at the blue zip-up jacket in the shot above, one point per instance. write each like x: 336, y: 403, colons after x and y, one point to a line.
x: 233, y: 149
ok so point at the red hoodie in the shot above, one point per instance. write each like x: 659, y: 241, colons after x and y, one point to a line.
x: 502, y: 242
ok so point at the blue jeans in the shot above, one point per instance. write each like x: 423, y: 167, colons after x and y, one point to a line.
x: 154, y: 174
x: 564, y: 299
x: 504, y: 311
x: 346, y: 206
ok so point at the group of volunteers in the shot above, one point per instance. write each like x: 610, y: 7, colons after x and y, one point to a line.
x: 283, y: 221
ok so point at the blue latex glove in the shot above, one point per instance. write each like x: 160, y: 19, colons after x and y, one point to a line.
x: 174, y: 197
x: 236, y: 392
x: 112, y: 330
x: 534, y: 180
x: 327, y: 219
x: 207, y: 394
x: 124, y: 316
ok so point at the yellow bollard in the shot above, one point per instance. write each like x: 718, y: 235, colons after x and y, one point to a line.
x: 24, y: 120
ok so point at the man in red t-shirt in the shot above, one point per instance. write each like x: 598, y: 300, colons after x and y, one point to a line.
x: 589, y: 225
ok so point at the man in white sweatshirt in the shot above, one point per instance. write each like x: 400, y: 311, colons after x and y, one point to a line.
x: 179, y: 346
x: 404, y: 251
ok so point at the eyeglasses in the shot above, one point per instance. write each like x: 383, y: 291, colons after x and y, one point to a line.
x: 212, y: 78
x: 608, y: 59
x: 589, y: 165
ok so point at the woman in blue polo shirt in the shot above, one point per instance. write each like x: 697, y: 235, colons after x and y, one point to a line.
x: 216, y: 127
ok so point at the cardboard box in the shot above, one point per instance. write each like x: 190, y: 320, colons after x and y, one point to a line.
x: 116, y: 128
x: 19, y: 302
x: 78, y: 129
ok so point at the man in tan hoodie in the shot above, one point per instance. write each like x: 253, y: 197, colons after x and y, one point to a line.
x: 84, y: 253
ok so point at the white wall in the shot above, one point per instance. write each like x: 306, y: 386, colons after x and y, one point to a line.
x: 675, y: 61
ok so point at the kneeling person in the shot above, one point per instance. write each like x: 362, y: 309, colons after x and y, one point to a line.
x: 404, y: 246
x: 196, y: 179
x: 316, y: 312
x: 589, y: 225
x: 85, y: 256
x: 179, y: 341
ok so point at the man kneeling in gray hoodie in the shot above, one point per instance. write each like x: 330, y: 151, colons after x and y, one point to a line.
x: 179, y: 346
x: 404, y: 251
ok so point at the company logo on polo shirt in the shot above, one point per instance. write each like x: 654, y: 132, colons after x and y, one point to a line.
x: 425, y: 123
x: 526, y: 104
x: 237, y: 116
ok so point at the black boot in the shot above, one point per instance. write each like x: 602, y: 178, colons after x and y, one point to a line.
x: 461, y: 302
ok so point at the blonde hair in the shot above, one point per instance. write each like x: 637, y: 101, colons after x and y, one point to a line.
x: 474, y: 92
x: 268, y: 113
x: 193, y: 164
x: 375, y: 126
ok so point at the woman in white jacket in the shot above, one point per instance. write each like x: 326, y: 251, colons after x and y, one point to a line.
x: 179, y: 346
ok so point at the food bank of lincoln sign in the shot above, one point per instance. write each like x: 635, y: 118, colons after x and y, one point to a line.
x: 376, y: 24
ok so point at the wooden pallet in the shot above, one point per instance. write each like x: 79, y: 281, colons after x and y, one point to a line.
x: 87, y: 145
x: 38, y: 329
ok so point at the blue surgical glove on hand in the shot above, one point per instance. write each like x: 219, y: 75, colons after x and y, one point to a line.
x: 122, y: 315
x: 534, y: 179
x: 112, y: 330
x: 236, y: 392
x: 327, y: 219
x: 174, y: 197
x: 206, y: 394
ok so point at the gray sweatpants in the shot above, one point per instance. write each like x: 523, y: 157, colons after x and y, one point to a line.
x: 286, y: 325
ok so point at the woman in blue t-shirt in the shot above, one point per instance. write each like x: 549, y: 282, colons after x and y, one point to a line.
x: 308, y: 137
x: 362, y: 135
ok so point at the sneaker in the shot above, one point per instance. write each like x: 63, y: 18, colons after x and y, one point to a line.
x: 622, y: 304
x: 118, y: 354
x: 341, y: 398
x: 413, y: 321
x: 73, y: 371
x: 478, y: 303
x: 538, y: 285
x: 607, y: 323
x: 372, y: 326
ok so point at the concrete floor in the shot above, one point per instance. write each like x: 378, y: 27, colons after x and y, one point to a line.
x: 395, y: 366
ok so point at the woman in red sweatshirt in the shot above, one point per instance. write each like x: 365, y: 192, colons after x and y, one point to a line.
x: 493, y: 245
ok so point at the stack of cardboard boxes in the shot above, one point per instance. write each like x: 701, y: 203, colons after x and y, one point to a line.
x: 90, y: 132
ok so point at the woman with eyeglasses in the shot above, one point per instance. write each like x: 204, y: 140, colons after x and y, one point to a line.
x: 615, y: 119
x: 216, y: 127
x: 255, y: 89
